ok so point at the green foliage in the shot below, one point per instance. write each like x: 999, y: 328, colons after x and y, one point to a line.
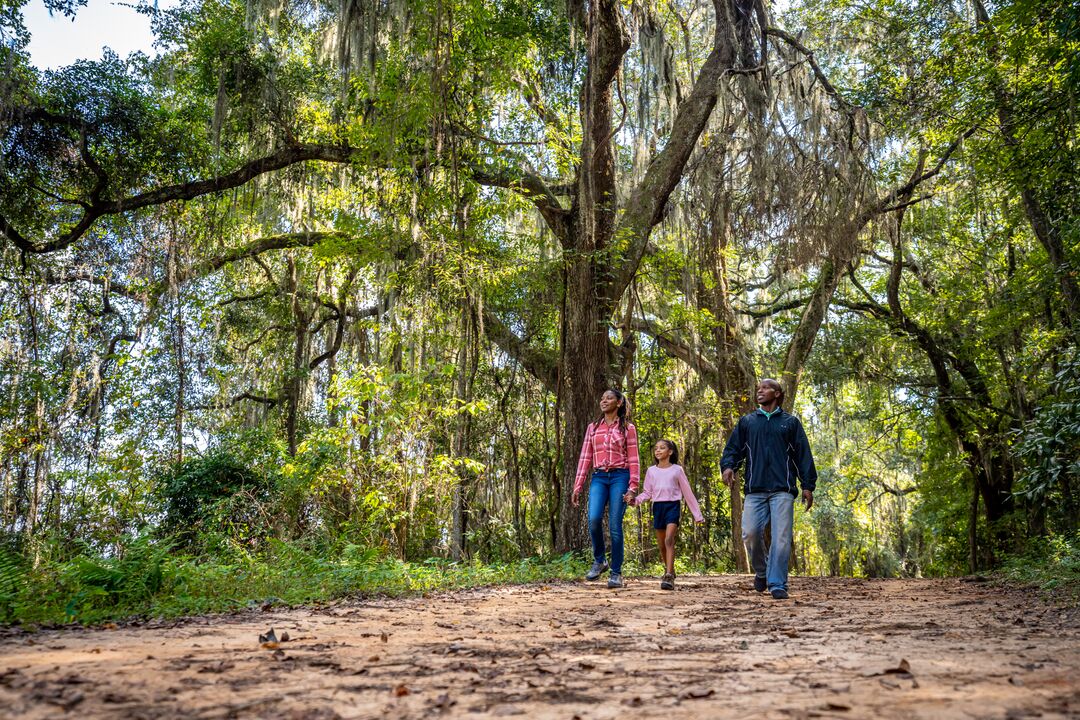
x: 325, y: 465
x: 151, y: 579
x: 12, y: 573
x: 1051, y: 563
x: 1049, y: 446
x: 215, y: 493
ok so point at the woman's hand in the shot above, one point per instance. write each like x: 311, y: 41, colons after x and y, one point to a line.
x: 628, y: 498
x: 574, y: 498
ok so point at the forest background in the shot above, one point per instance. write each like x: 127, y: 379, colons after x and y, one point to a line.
x: 320, y: 299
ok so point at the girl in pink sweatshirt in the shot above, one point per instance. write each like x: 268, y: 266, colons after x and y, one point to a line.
x: 666, y: 485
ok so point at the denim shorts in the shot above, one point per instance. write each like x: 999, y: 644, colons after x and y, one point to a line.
x: 665, y: 513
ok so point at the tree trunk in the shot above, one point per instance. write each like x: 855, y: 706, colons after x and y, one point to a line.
x: 467, y: 364
x: 973, y: 528
x: 178, y: 349
x: 586, y: 373
x: 295, y: 379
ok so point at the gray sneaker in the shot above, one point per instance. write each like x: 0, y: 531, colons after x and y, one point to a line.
x: 597, y: 569
x: 615, y: 580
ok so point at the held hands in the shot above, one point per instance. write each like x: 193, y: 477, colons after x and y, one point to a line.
x: 808, y: 499
x: 628, y: 498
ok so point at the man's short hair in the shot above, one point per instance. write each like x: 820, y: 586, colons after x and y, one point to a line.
x: 775, y: 385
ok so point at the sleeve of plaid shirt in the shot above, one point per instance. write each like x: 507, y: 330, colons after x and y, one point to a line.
x: 632, y: 459
x: 584, y: 463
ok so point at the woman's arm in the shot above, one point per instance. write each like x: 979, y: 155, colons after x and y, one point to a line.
x: 632, y: 459
x: 584, y: 463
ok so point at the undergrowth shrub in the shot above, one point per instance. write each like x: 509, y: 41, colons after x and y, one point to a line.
x: 148, y: 578
x: 216, y: 493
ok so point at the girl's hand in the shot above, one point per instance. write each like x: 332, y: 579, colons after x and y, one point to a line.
x: 628, y: 498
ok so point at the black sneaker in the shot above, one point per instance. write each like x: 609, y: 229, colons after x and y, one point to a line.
x: 597, y: 569
x: 614, y: 580
x: 667, y: 582
x: 759, y: 584
x: 779, y: 594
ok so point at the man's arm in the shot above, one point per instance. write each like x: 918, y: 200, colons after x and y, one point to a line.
x: 734, y: 454
x: 804, y: 463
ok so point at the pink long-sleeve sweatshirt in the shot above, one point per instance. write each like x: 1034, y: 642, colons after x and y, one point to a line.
x: 669, y: 484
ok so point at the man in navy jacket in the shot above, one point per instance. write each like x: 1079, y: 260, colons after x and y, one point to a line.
x: 776, y: 453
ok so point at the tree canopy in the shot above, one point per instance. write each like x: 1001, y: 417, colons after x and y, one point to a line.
x: 360, y: 271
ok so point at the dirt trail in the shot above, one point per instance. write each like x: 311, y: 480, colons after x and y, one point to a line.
x: 713, y: 648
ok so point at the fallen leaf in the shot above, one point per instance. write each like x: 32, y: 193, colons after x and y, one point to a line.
x: 401, y: 691
x: 443, y: 702
x: 285, y: 636
x: 269, y: 637
x: 384, y: 637
x: 218, y: 667
x: 113, y: 698
x: 904, y: 668
x: 697, y: 693
x: 837, y: 706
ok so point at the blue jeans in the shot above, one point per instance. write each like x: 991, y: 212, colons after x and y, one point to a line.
x: 607, y: 488
x: 778, y: 510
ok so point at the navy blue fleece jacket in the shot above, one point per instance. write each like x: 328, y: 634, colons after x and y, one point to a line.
x: 775, y: 450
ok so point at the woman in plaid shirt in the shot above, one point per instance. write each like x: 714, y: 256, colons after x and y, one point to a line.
x: 610, y: 450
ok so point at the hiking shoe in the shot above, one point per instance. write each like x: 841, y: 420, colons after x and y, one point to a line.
x: 615, y: 580
x: 779, y: 594
x: 597, y: 569
x: 667, y: 582
x: 759, y: 584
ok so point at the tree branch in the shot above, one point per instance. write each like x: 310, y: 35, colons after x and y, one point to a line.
x: 647, y: 201
x: 540, y: 364
x: 809, y: 55
x: 98, y: 208
x: 679, y: 349
x: 533, y: 188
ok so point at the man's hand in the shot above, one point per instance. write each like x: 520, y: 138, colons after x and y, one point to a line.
x: 808, y: 498
x: 729, y: 478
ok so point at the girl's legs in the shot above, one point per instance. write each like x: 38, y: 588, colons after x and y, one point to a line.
x: 663, y: 548
x: 669, y: 544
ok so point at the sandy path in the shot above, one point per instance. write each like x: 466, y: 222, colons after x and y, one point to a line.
x: 711, y: 649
